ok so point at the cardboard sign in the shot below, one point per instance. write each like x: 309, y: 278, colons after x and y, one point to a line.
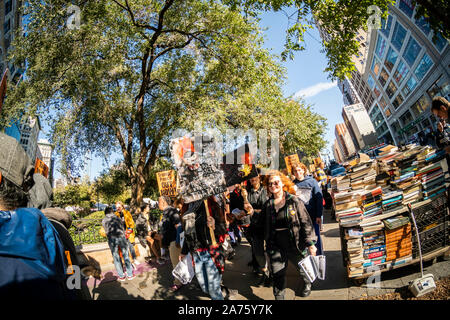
x: 167, y: 183
x: 199, y: 172
x: 41, y: 167
x: 290, y: 161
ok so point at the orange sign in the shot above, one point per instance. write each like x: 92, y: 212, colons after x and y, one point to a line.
x: 290, y: 161
x: 167, y: 183
x: 41, y: 167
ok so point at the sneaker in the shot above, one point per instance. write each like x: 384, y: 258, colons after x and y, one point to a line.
x: 132, y: 277
x: 122, y: 278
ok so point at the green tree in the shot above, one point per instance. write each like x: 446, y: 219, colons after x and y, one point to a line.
x: 437, y: 13
x: 135, y: 71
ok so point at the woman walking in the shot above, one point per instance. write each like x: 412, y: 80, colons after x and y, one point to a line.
x: 288, y: 231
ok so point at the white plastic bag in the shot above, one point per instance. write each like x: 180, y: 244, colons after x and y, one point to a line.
x: 314, y: 267
x: 184, y: 271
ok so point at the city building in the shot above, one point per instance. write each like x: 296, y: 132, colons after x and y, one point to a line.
x: 344, y: 140
x: 359, y: 125
x: 45, y: 149
x: 30, y: 129
x: 337, y: 153
x: 407, y: 68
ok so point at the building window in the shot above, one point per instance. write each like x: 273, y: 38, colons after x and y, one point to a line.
x: 375, y: 66
x: 423, y: 67
x: 440, y: 42
x: 423, y: 25
x: 409, y: 86
x: 391, y: 58
x: 397, y: 101
x: 406, y: 118
x: 7, y: 26
x: 382, y: 103
x: 8, y: 7
x: 391, y: 89
x: 440, y: 88
x: 377, y: 92
x: 384, y: 76
x: 398, y: 36
x: 400, y: 72
x: 407, y: 7
x: 386, y: 26
x: 380, y: 48
x: 387, y: 112
x: 420, y: 106
x: 411, y: 52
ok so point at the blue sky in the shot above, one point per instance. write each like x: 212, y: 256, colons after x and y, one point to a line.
x: 305, y: 76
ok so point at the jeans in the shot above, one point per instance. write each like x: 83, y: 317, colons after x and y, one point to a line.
x: 133, y: 252
x: 319, y: 240
x: 208, y: 275
x: 114, y: 245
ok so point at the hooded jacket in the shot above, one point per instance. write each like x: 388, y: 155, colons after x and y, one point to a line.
x: 300, y: 224
x: 310, y: 193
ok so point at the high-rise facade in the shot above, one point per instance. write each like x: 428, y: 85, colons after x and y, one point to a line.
x: 406, y: 69
x: 46, y: 151
x: 344, y: 140
x: 359, y: 125
x: 30, y: 129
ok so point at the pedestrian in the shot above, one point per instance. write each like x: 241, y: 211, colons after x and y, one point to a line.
x: 309, y: 192
x: 288, y: 231
x: 129, y: 225
x: 144, y: 235
x: 200, y: 231
x: 320, y: 175
x: 440, y: 107
x: 169, y: 224
x: 236, y: 201
x: 257, y: 197
x: 115, y: 233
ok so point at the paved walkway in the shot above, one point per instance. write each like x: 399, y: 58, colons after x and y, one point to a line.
x: 152, y: 282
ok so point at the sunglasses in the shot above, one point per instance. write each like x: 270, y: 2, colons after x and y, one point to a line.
x: 275, y: 183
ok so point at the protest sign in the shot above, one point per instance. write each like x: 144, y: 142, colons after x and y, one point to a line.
x: 239, y: 165
x: 167, y: 183
x: 290, y: 161
x: 41, y: 167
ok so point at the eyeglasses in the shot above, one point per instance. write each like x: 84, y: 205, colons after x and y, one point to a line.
x: 275, y: 183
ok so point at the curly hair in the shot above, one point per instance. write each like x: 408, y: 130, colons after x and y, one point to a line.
x: 300, y: 165
x: 288, y: 185
x: 11, y: 196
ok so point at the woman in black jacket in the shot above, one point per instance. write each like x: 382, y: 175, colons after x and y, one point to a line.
x: 288, y: 231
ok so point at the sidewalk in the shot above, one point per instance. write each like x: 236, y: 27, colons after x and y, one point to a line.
x: 153, y: 281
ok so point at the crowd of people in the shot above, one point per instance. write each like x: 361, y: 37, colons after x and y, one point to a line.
x: 280, y: 216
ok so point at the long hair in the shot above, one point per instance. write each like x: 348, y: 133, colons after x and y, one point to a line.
x: 288, y: 185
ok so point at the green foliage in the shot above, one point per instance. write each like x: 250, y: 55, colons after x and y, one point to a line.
x: 73, y: 195
x: 437, y: 13
x: 136, y: 71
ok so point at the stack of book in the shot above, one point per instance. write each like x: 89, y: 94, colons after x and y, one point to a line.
x: 433, y: 180
x: 362, y: 176
x: 391, y: 200
x: 373, y: 244
x: 398, y: 238
x: 347, y: 208
x: 355, y: 252
x: 371, y: 202
x: 341, y: 184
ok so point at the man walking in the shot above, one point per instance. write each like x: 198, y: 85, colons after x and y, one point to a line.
x: 115, y: 233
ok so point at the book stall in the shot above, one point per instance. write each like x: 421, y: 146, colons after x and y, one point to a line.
x: 373, y: 203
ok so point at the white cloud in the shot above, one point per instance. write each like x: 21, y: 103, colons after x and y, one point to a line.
x: 314, y: 90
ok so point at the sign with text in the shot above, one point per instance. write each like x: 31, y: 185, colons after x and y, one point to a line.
x: 167, y: 183
x: 239, y: 165
x: 290, y: 161
x: 41, y: 167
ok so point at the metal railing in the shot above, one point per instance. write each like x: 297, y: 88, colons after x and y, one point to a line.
x: 86, y: 231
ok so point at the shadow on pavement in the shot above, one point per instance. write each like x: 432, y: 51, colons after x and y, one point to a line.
x: 110, y: 289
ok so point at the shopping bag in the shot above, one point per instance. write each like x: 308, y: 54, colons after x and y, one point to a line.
x: 184, y: 271
x: 314, y: 267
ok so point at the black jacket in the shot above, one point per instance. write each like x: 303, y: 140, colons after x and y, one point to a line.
x: 257, y: 198
x: 299, y: 221
x: 169, y: 220
x: 199, y: 237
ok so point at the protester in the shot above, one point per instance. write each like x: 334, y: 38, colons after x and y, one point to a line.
x: 129, y: 225
x: 288, y: 231
x: 169, y: 224
x: 236, y: 201
x: 320, y: 175
x: 143, y: 228
x: 115, y: 232
x: 309, y: 192
x: 257, y: 196
x: 209, y: 260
